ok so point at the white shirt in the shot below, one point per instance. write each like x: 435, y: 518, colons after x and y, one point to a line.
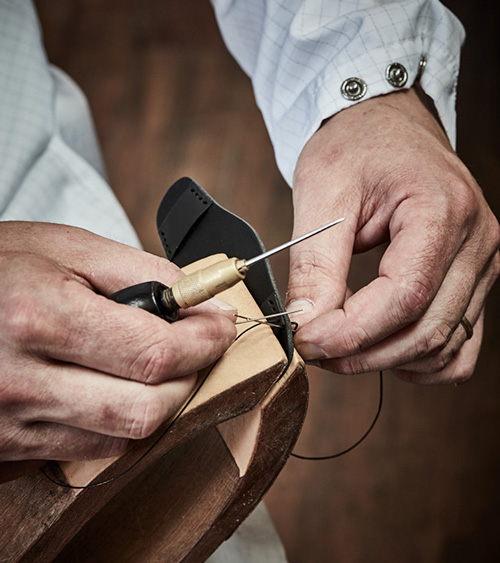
x: 298, y: 53
x: 50, y: 168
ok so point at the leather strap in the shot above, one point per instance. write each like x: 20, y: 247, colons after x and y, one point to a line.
x: 192, y: 225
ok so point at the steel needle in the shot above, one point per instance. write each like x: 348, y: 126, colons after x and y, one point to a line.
x: 264, y: 255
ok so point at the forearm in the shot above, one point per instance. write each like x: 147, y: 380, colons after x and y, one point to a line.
x: 299, y: 58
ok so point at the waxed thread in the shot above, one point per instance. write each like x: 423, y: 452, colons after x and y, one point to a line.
x: 154, y: 444
x: 358, y: 442
x: 189, y: 401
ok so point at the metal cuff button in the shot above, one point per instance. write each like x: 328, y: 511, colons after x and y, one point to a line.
x: 396, y: 75
x: 353, y: 88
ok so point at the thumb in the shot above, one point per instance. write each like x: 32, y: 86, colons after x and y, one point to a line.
x: 319, y: 265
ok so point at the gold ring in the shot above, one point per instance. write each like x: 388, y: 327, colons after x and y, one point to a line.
x: 469, y: 331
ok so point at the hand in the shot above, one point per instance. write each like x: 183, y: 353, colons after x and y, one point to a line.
x: 81, y: 375
x: 386, y: 165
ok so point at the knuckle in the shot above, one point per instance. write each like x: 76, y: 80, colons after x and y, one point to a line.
x: 355, y: 341
x: 496, y: 266
x: 152, y: 363
x: 416, y: 295
x: 209, y: 336
x: 440, y: 367
x: 157, y: 361
x: 438, y: 363
x: 436, y: 339
x: 194, y: 340
x: 486, y: 236
x: 465, y: 201
x: 352, y: 365
x: 19, y: 322
x: 306, y: 265
x: 221, y: 332
x: 494, y: 233
x: 29, y: 324
x: 305, y: 170
x: 146, y: 415
x: 163, y: 269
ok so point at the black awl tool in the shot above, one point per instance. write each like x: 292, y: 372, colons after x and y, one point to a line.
x: 199, y: 286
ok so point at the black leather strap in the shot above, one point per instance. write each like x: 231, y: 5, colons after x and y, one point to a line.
x: 192, y: 226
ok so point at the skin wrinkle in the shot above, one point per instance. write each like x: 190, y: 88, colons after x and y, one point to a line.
x: 376, y: 221
x: 434, y: 341
x: 113, y: 416
x: 313, y: 263
x: 444, y: 357
x: 154, y: 363
x: 323, y: 334
x: 144, y: 417
x: 68, y: 401
x: 10, y: 441
x: 456, y: 341
x: 70, y: 334
x: 357, y: 340
x: 165, y: 354
x: 422, y: 198
x: 456, y: 371
x: 422, y: 264
x: 422, y: 350
x: 28, y: 322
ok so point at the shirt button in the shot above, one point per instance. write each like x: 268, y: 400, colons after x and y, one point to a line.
x: 353, y: 88
x: 396, y: 75
x: 422, y: 63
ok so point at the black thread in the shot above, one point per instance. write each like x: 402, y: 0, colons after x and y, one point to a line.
x: 156, y: 442
x: 356, y: 444
x: 189, y: 401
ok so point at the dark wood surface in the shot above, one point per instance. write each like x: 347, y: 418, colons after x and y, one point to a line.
x: 178, y: 494
x: 169, y: 101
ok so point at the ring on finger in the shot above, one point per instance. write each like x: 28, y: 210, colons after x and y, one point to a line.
x: 469, y: 331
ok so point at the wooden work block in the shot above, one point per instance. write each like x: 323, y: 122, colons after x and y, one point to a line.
x: 195, y: 486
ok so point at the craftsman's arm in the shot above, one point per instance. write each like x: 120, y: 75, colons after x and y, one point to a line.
x: 362, y: 95
x: 300, y: 53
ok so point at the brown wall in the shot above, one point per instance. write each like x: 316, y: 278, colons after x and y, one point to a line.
x: 169, y: 101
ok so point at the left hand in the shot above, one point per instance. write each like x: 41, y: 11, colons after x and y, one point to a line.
x: 387, y: 166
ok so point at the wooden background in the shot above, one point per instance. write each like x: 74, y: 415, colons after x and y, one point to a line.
x: 169, y: 101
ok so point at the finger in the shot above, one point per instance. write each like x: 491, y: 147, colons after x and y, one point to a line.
x: 319, y: 265
x: 437, y: 364
x: 458, y: 370
x: 43, y: 441
x: 80, y: 398
x: 411, y: 272
x: 73, y: 324
x: 106, y: 265
x: 435, y: 335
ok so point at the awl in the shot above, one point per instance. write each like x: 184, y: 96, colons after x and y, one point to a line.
x: 199, y: 286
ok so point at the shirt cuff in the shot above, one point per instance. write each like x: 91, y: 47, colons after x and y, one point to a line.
x: 429, y: 57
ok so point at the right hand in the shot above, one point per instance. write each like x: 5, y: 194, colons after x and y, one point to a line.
x: 80, y: 375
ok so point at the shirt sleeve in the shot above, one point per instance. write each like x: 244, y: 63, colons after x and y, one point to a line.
x: 50, y: 166
x: 309, y: 59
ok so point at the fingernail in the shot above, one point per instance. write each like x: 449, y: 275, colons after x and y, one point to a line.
x: 224, y: 305
x: 300, y: 305
x: 310, y: 351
